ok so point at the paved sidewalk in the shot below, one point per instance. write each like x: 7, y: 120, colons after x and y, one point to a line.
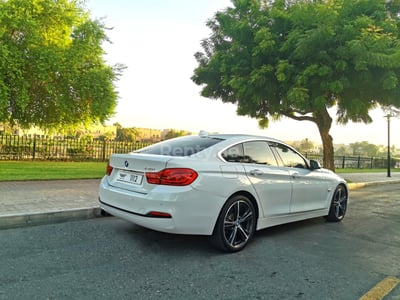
x: 25, y: 203
x: 39, y: 202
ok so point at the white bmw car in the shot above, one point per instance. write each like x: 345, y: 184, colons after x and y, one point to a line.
x: 224, y: 186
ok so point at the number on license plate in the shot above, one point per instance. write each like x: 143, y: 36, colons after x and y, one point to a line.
x: 130, y: 177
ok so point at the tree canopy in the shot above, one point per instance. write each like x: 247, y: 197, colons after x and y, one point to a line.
x: 364, y: 148
x: 52, y: 71
x: 172, y: 133
x: 126, y: 134
x: 298, y: 59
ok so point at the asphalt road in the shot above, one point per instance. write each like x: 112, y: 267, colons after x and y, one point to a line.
x: 109, y: 258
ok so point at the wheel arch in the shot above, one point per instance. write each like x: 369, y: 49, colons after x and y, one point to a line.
x: 343, y: 184
x: 336, y: 207
x: 251, y: 198
x: 218, y: 237
x: 239, y: 193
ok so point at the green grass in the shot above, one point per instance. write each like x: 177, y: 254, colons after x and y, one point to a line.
x: 28, y: 170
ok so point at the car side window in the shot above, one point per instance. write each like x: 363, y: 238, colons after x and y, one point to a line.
x: 289, y: 157
x: 258, y: 152
x: 233, y: 154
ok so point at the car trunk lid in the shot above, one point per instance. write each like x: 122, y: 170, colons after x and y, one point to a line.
x: 129, y: 170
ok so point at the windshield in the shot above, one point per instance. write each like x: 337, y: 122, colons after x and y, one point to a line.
x: 184, y: 146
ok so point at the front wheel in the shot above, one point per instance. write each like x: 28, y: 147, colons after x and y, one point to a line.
x: 235, y: 225
x: 338, y: 207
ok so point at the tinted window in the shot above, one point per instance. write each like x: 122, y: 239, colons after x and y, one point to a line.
x: 258, y: 153
x: 233, y: 154
x: 184, y: 146
x: 289, y: 157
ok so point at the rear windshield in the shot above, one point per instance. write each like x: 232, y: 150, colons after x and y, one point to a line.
x: 184, y: 146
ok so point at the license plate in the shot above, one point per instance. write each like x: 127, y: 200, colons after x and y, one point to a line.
x: 130, y: 177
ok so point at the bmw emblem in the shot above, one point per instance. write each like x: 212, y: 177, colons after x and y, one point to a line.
x: 126, y: 164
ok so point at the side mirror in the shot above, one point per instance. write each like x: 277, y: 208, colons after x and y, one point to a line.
x: 314, y: 164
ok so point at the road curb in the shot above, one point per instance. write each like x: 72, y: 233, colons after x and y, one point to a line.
x: 354, y: 186
x: 23, y: 220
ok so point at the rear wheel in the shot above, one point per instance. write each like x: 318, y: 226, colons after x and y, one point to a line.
x: 235, y: 225
x: 338, y: 207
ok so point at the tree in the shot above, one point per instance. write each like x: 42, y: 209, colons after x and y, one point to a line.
x: 341, y: 150
x: 298, y: 59
x: 306, y: 146
x: 172, y: 133
x: 364, y: 149
x: 52, y: 71
x: 126, y: 134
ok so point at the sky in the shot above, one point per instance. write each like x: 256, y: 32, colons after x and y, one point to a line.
x: 156, y: 40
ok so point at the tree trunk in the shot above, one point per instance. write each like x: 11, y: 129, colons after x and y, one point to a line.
x: 324, y: 123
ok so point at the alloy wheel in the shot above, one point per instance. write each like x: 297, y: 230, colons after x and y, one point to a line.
x: 238, y: 223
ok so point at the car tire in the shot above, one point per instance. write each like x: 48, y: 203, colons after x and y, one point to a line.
x: 235, y: 225
x: 338, y: 206
x: 103, y: 213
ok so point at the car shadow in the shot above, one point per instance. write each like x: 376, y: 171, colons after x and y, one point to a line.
x: 151, y: 241
x: 154, y: 241
x: 290, y: 228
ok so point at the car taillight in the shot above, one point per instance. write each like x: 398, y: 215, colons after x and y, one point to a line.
x: 109, y: 169
x: 173, y: 176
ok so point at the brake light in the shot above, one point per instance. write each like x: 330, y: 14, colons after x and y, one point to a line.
x: 109, y: 169
x: 172, y: 176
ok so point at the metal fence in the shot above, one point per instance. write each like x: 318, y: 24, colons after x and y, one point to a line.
x: 359, y: 162
x: 14, y: 147
x: 37, y: 147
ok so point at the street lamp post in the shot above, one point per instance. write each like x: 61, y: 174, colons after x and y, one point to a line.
x: 388, y: 150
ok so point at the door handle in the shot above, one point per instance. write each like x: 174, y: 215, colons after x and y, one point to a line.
x: 295, y: 175
x: 256, y: 172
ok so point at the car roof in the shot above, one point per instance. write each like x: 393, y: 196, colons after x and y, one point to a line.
x: 233, y: 136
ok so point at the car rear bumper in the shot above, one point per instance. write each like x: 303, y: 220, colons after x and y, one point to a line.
x: 192, y: 211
